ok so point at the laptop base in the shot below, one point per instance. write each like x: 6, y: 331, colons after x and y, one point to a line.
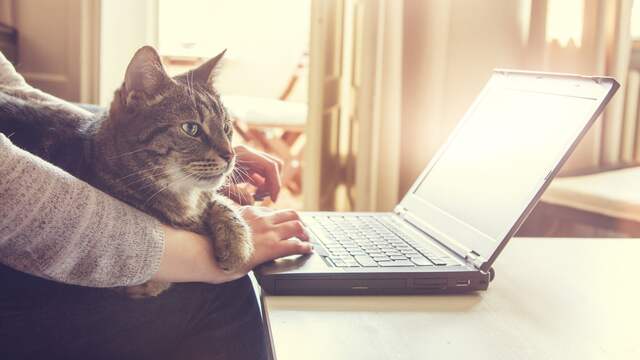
x: 369, y: 284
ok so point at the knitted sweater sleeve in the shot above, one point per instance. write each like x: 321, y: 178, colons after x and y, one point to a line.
x: 58, y: 227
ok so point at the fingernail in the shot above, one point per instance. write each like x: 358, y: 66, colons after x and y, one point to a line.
x: 260, y: 197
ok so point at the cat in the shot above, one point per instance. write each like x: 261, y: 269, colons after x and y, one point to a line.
x: 164, y: 147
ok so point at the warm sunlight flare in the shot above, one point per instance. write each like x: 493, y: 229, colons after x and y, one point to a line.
x: 319, y: 179
x: 564, y: 21
x: 635, y: 21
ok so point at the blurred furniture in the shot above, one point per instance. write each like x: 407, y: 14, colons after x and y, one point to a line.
x: 275, y: 126
x: 551, y: 299
x: 9, y: 43
x: 605, y: 203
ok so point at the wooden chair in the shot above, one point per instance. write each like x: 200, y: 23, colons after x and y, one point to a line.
x: 275, y: 126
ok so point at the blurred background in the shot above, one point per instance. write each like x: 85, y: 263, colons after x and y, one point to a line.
x: 357, y: 95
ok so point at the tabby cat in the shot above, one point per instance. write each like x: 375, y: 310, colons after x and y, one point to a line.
x: 164, y: 147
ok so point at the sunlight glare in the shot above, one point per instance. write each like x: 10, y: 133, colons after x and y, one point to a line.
x: 564, y: 21
x: 635, y: 20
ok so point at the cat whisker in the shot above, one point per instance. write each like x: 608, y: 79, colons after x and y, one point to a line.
x: 150, y: 179
x: 166, y: 187
x: 153, y: 178
x: 243, y: 172
x: 245, y: 162
x: 228, y: 185
x: 242, y: 176
x: 141, y: 171
x: 237, y: 192
x: 240, y: 194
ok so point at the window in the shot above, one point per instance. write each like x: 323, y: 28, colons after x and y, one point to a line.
x: 565, y: 21
x: 635, y: 24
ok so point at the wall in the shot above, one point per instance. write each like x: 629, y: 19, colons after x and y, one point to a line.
x: 57, y: 45
x: 7, y: 15
x: 450, y: 48
x: 126, y: 26
x: 264, y: 41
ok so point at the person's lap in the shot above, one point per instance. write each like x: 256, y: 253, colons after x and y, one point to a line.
x: 42, y: 319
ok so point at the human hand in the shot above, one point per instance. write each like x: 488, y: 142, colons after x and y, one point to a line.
x: 258, y: 169
x: 275, y: 234
x: 188, y: 256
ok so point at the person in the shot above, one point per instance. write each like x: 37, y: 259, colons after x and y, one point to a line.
x: 63, y: 243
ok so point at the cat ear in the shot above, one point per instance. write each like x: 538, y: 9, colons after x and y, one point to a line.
x: 205, y: 73
x: 145, y: 72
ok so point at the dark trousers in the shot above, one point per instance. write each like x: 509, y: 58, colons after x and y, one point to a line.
x: 41, y: 319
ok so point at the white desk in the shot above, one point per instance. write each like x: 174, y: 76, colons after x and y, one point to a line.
x: 551, y: 299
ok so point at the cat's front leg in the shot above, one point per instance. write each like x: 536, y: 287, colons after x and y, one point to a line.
x: 230, y: 234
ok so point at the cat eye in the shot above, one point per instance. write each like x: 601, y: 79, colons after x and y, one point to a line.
x: 190, y: 129
x: 227, y: 127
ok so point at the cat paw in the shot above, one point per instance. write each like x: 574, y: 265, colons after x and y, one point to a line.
x: 231, y: 240
x: 233, y: 247
x: 148, y: 289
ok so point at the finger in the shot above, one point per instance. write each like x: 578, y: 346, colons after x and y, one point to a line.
x: 258, y: 193
x: 277, y: 160
x: 291, y: 229
x: 261, y: 154
x: 251, y: 213
x: 263, y: 189
x: 256, y: 179
x: 265, y: 177
x: 266, y: 166
x: 240, y: 195
x: 272, y: 180
x: 281, y: 216
x: 292, y: 247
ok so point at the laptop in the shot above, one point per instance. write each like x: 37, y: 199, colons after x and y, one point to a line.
x: 450, y: 227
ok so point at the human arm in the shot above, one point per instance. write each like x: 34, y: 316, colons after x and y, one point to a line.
x: 188, y: 256
x: 58, y: 227
x: 55, y: 226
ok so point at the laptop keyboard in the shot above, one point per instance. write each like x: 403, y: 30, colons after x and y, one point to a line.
x: 366, y: 241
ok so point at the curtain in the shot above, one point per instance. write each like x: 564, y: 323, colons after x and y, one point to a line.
x: 355, y: 94
x: 603, y: 48
x: 450, y: 49
x: 378, y: 107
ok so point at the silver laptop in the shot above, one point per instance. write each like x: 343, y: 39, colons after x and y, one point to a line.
x: 459, y: 214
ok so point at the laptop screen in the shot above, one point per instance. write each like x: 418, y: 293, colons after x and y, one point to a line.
x: 498, y: 159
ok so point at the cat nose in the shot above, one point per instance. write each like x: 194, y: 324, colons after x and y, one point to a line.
x: 227, y: 154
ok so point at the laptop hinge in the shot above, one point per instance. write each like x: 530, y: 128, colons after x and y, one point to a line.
x: 469, y: 256
x: 400, y: 211
x: 474, y: 258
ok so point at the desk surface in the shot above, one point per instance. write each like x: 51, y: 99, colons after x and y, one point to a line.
x: 551, y: 299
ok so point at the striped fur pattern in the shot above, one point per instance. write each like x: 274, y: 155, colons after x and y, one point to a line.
x: 164, y: 147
